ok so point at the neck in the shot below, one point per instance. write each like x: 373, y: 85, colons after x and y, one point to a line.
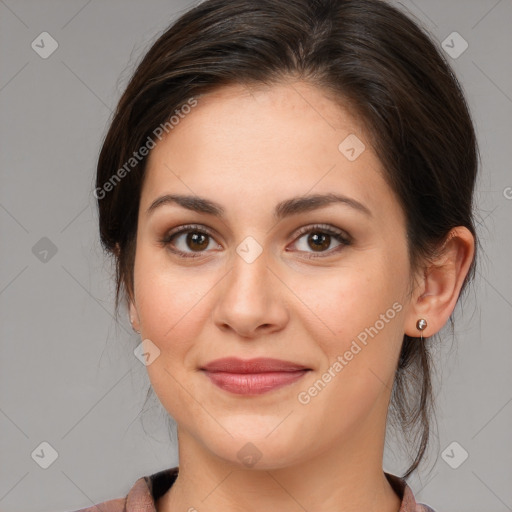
x: 344, y: 478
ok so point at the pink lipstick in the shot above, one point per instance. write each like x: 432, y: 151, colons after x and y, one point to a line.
x: 253, y: 376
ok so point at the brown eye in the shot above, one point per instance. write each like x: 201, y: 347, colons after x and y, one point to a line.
x: 188, y: 240
x: 197, y: 241
x: 319, y: 239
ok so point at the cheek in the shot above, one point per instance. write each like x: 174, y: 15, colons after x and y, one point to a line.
x: 171, y: 303
x: 348, y: 300
x: 358, y: 325
x: 172, y: 310
x: 358, y: 363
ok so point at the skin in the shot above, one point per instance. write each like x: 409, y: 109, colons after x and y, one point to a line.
x: 248, y: 150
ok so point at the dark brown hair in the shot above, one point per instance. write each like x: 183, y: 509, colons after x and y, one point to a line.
x: 366, y: 54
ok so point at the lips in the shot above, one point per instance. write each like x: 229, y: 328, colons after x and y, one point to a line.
x: 258, y: 365
x: 253, y: 376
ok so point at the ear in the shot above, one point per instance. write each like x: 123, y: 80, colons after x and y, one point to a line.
x: 436, y: 294
x: 134, y: 315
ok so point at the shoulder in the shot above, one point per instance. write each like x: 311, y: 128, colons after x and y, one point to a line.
x: 424, y: 508
x: 142, y: 495
x: 138, y: 498
x: 409, y: 503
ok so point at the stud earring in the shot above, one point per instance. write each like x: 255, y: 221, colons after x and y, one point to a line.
x: 421, y: 325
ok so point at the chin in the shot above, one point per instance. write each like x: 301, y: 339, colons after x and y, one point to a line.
x: 258, y: 452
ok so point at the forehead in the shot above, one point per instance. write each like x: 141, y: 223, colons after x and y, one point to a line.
x: 266, y: 142
x: 278, y: 104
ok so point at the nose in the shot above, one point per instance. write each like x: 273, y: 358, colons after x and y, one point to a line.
x: 251, y: 301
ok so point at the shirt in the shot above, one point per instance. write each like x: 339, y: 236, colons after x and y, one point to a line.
x: 147, y: 489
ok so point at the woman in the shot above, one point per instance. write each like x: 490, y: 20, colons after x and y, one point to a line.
x: 287, y: 189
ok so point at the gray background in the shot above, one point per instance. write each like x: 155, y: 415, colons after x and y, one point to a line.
x: 68, y: 375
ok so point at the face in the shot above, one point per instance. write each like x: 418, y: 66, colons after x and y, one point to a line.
x: 265, y: 274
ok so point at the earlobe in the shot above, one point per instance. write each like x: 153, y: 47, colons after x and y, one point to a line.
x: 440, y: 287
x: 134, y: 317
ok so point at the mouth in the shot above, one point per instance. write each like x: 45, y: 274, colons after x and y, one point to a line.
x: 253, y: 376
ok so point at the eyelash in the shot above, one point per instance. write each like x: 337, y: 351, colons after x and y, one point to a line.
x: 339, y: 236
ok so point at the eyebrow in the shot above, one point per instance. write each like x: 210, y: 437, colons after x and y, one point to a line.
x: 293, y: 206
